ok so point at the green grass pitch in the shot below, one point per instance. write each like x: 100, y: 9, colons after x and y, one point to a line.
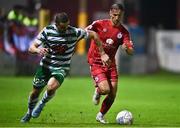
x: 154, y: 101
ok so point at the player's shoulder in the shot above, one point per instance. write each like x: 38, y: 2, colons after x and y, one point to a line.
x: 123, y: 27
x: 51, y: 26
x: 76, y: 30
x: 72, y: 28
x: 101, y: 21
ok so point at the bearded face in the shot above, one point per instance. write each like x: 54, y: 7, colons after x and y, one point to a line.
x: 116, y: 16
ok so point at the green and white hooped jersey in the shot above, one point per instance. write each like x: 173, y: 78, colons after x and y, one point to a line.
x: 61, y: 46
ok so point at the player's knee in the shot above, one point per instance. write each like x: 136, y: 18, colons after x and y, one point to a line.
x: 53, y: 84
x: 51, y: 89
x: 105, y: 90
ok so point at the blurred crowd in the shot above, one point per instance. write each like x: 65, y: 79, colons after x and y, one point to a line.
x: 17, y: 29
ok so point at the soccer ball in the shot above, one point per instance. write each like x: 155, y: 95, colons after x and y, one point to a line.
x: 124, y: 117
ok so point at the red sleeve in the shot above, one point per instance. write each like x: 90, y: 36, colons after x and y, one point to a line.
x: 93, y: 26
x: 126, y: 38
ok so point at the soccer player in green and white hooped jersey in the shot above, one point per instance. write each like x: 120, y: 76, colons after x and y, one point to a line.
x: 57, y: 43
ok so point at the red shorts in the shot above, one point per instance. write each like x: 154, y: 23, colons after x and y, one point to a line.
x: 100, y: 73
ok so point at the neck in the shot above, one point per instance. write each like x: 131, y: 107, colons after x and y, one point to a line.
x: 115, y: 24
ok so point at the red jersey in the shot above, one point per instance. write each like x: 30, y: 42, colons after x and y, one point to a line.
x: 111, y: 36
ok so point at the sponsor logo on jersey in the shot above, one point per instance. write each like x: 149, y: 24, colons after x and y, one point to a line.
x: 109, y: 41
x: 104, y: 29
x: 119, y: 35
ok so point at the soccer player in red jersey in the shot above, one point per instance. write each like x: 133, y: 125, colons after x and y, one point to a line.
x: 113, y: 34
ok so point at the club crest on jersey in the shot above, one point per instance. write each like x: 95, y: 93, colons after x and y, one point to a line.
x: 119, y: 35
x: 96, y: 79
x: 109, y: 41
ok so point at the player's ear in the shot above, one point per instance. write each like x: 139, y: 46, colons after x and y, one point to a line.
x: 110, y: 13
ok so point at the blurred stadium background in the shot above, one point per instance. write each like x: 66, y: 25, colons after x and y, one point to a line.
x: 153, y: 25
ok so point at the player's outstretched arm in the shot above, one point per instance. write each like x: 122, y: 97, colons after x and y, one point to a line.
x: 35, y: 50
x: 104, y: 57
x: 94, y: 35
x: 128, y: 47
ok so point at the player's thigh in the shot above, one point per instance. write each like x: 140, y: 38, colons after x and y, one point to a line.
x: 57, y: 78
x: 104, y: 87
x: 98, y: 74
x: 53, y: 84
x: 100, y: 78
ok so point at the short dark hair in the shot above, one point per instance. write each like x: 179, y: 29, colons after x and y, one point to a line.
x: 61, y: 18
x: 117, y: 6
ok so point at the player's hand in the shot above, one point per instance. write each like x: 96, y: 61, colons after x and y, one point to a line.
x: 43, y: 51
x: 127, y: 45
x: 105, y: 60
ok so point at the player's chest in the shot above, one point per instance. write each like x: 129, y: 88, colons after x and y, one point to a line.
x: 111, y: 36
x: 61, y: 39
